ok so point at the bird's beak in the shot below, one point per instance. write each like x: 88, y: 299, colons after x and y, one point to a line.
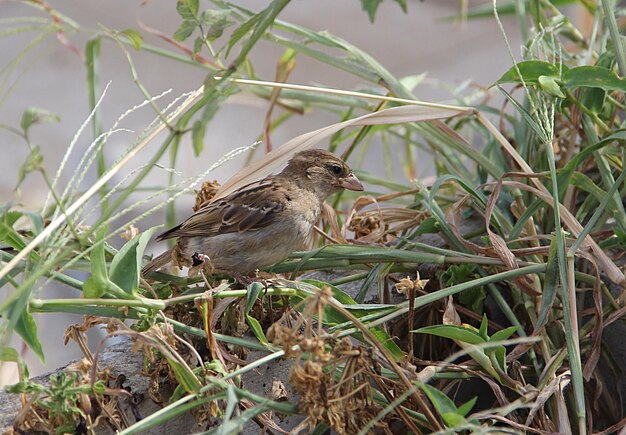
x: 351, y: 183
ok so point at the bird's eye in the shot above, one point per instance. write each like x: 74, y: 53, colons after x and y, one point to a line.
x: 336, y: 169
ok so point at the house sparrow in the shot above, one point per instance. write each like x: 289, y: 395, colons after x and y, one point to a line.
x: 261, y: 223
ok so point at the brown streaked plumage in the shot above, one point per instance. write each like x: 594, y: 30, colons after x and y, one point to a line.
x: 263, y: 222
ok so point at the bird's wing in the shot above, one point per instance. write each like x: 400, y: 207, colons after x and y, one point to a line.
x: 250, y: 208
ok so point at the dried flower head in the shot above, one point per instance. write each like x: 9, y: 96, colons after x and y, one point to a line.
x: 407, y: 284
x: 205, y: 194
x: 130, y: 232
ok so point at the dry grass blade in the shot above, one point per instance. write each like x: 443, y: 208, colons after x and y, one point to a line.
x: 606, y: 264
x: 56, y: 223
x: 423, y: 406
x: 555, y: 386
x: 277, y: 158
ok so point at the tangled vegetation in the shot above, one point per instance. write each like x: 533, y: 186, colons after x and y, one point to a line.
x: 477, y: 302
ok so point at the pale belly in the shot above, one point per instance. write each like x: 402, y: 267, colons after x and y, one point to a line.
x: 251, y: 250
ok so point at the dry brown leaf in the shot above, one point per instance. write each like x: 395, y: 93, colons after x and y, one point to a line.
x: 277, y: 158
x: 556, y: 385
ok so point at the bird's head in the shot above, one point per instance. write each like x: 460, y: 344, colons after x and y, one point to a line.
x: 321, y: 171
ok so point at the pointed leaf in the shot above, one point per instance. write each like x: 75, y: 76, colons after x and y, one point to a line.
x: 254, y: 290
x: 549, y: 285
x: 530, y: 71
x: 241, y: 31
x: 497, y: 356
x: 465, y: 408
x: 187, y: 9
x: 125, y: 268
x: 440, y: 401
x: 503, y: 334
x: 26, y: 327
x: 185, y: 30
x: 453, y: 419
x: 483, y: 328
x: 370, y: 6
x: 454, y: 332
x: 96, y: 285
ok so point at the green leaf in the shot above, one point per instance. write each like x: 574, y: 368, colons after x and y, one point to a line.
x: 135, y: 38
x: 187, y: 9
x: 241, y: 31
x: 402, y: 4
x: 186, y: 378
x: 593, y: 99
x: 585, y: 183
x: 452, y: 419
x: 566, y: 173
x: 483, y: 359
x: 473, y: 298
x: 96, y: 285
x: 266, y: 19
x: 33, y: 115
x: 430, y: 225
x: 482, y: 331
x: 441, y: 402
x: 530, y: 71
x: 370, y: 6
x: 593, y: 77
x: 549, y: 285
x: 125, y: 268
x: 34, y: 162
x: 384, y: 338
x: 549, y: 84
x: 412, y: 81
x: 26, y: 327
x: 197, y: 45
x: 185, y: 30
x: 8, y: 235
x: 465, y: 408
x: 9, y: 354
x: 215, y: 21
x: 36, y: 220
x: 338, y: 294
x: 454, y: 332
x: 498, y: 357
x: 197, y: 137
x: 254, y: 290
x: 503, y: 334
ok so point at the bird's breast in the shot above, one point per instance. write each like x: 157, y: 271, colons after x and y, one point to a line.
x: 304, y: 215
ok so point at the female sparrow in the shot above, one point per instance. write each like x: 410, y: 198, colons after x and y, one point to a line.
x: 261, y: 223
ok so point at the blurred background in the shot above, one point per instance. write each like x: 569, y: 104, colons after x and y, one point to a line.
x: 454, y: 57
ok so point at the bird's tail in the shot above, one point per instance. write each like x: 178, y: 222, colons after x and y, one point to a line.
x: 156, y: 263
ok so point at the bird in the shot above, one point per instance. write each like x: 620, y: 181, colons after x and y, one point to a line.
x: 261, y: 223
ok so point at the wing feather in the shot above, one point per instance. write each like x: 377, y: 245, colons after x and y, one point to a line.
x: 250, y: 208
